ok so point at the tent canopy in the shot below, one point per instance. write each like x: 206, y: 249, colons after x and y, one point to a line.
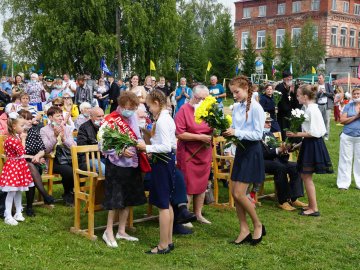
x: 353, y: 81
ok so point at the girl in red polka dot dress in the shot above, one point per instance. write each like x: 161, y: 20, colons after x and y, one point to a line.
x: 15, y: 176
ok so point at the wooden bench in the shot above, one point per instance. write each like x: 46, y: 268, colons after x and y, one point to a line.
x: 89, y: 189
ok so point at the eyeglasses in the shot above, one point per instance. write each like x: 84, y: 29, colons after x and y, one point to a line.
x: 57, y: 105
x: 199, y: 98
x: 66, y: 97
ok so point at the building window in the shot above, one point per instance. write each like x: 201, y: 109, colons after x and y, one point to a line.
x: 295, y: 33
x: 346, y: 7
x: 262, y: 11
x: 280, y: 33
x: 260, y: 39
x: 246, y: 13
x: 296, y: 7
x: 315, y: 5
x: 333, y: 5
x: 281, y: 9
x: 244, y: 39
x: 352, y: 38
x: 343, y: 33
x: 334, y: 36
x: 357, y: 9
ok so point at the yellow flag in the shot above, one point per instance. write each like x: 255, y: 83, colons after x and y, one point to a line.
x: 209, y: 66
x: 313, y: 70
x: 152, y: 65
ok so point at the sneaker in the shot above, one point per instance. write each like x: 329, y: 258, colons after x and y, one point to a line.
x: 19, y: 217
x: 286, y: 206
x: 11, y: 221
x: 188, y: 225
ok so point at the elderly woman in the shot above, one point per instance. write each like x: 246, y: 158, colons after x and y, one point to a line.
x: 34, y: 89
x: 350, y: 143
x: 123, y: 182
x: 84, y: 116
x: 268, y: 104
x: 58, y: 138
x: 57, y: 89
x: 194, y: 150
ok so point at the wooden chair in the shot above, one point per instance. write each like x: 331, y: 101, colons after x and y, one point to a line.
x: 222, y: 168
x: 89, y: 189
x: 2, y: 151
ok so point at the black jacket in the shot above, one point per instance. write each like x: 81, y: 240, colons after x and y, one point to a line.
x: 87, y: 135
x: 286, y: 104
x: 270, y: 152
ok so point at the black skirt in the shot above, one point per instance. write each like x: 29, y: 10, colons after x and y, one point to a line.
x: 123, y: 187
x: 249, y: 163
x: 314, y: 157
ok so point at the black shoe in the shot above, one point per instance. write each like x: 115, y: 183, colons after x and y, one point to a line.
x: 184, y: 216
x: 171, y: 246
x: 159, y: 251
x: 68, y: 199
x: 180, y: 229
x: 254, y: 242
x: 49, y: 200
x: 247, y: 239
x: 30, y: 212
x: 313, y: 214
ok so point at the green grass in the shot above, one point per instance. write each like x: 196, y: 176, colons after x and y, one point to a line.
x: 293, y: 242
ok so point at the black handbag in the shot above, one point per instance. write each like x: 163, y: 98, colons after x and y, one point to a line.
x: 63, y: 155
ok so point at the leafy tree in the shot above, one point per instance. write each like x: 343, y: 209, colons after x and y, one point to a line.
x: 286, y: 55
x: 249, y: 57
x: 222, y: 50
x: 309, y: 50
x: 268, y: 56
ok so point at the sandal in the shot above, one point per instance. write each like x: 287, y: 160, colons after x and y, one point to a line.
x: 159, y: 251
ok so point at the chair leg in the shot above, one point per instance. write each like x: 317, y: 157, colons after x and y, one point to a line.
x: 216, y: 190
x: 77, y: 209
x: 149, y: 210
x: 131, y: 218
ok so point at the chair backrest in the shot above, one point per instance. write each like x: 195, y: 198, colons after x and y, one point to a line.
x: 277, y: 135
x: 220, y: 160
x: 2, y: 151
x: 219, y: 143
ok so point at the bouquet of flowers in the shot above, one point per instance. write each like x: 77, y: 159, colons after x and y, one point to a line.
x: 272, y: 142
x: 209, y: 112
x: 111, y: 138
x: 296, y: 119
x: 276, y: 97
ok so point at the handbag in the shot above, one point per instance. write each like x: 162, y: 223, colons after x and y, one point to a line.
x: 209, y: 195
x: 63, y: 155
x: 144, y: 164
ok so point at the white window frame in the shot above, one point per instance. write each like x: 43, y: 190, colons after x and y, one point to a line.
x: 315, y: 5
x: 346, y: 7
x: 333, y: 5
x: 247, y: 13
x: 334, y: 40
x: 281, y: 9
x: 343, y: 36
x: 260, y: 40
x: 295, y: 29
x: 280, y: 34
x: 296, y: 7
x: 357, y: 9
x: 244, y: 39
x: 262, y: 11
x: 352, y: 35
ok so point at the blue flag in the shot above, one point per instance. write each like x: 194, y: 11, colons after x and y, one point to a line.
x: 3, y: 66
x: 104, y: 67
x: 237, y: 70
x: 177, y: 67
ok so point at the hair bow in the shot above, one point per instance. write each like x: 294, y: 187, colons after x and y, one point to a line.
x: 13, y: 115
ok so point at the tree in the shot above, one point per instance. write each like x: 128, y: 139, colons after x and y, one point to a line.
x: 310, y: 51
x: 268, y: 56
x: 249, y: 57
x: 221, y: 47
x: 286, y: 55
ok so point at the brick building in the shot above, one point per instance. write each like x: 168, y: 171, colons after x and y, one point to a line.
x: 337, y: 23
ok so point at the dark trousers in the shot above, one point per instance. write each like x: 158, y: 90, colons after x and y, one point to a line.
x: 67, y: 176
x: 286, y: 190
x: 2, y: 203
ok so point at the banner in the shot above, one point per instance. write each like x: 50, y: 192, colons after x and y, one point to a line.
x: 209, y: 66
x: 104, y: 67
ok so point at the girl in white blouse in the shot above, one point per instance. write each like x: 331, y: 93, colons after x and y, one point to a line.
x: 162, y: 148
x: 313, y: 156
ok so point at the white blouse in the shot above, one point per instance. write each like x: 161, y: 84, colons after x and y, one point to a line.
x: 164, y: 139
x: 314, y: 122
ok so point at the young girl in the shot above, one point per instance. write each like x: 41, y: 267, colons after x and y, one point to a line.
x: 163, y: 142
x: 248, y: 125
x: 15, y: 176
x: 313, y: 155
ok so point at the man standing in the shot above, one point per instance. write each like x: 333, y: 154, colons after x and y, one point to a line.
x: 217, y: 91
x: 114, y: 93
x: 325, y: 101
x: 84, y: 92
x: 162, y: 86
x: 183, y: 94
x: 286, y: 103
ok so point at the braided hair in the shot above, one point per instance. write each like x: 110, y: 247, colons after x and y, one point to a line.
x: 244, y: 83
x: 159, y: 96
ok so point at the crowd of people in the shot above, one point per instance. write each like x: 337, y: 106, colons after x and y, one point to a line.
x: 41, y: 115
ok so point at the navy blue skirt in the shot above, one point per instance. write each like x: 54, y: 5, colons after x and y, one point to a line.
x: 249, y: 163
x: 162, y: 181
x: 314, y: 157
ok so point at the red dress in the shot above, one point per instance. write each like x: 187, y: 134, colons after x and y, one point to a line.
x: 196, y: 170
x: 15, y: 175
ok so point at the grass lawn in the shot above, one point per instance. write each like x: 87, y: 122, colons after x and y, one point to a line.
x: 331, y: 241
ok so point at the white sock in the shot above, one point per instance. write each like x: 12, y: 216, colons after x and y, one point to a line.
x: 9, y: 203
x: 17, y: 202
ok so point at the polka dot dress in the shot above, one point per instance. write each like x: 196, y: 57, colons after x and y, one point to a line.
x: 15, y: 175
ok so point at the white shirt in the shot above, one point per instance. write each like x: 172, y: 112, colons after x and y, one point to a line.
x: 322, y: 99
x: 164, y: 139
x: 72, y: 85
x: 314, y: 122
